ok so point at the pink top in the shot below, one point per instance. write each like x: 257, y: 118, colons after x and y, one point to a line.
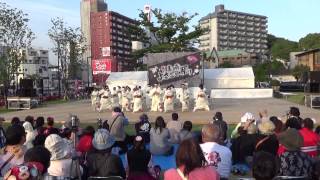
x: 205, y: 173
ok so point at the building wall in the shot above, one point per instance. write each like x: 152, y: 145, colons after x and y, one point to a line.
x: 311, y: 59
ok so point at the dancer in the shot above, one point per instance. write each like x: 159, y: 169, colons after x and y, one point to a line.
x: 185, y: 97
x: 115, y: 98
x: 105, y: 102
x: 155, y: 93
x: 168, y: 100
x: 95, y: 99
x: 201, y: 100
x: 137, y: 100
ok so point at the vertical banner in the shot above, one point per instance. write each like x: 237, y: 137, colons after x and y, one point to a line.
x: 175, y: 70
x: 101, y: 66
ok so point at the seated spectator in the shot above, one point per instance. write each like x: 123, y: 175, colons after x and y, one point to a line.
x: 30, y: 134
x: 61, y: 160
x: 2, y: 134
x: 267, y: 140
x: 292, y: 122
x: 174, y: 126
x: 139, y: 161
x: 317, y: 130
x: 13, y: 152
x: 26, y: 171
x: 216, y: 155
x: 117, y: 129
x: 39, y: 140
x: 50, y: 127
x: 143, y: 128
x: 100, y: 161
x: 30, y: 119
x: 85, y: 142
x: 15, y: 121
x: 39, y: 154
x: 186, y: 132
x: 316, y: 170
x: 294, y: 112
x: 218, y: 120
x: 159, y: 138
x: 264, y: 166
x: 293, y: 162
x: 39, y: 125
x: 311, y: 140
x: 243, y: 147
x: 247, y: 117
x: 105, y: 125
x: 191, y: 164
x: 277, y: 123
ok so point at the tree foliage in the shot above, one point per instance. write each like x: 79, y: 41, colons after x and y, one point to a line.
x: 263, y: 71
x: 15, y: 35
x: 281, y: 48
x: 311, y: 41
x: 299, y: 71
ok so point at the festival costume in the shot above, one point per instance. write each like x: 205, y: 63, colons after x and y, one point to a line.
x: 201, y: 101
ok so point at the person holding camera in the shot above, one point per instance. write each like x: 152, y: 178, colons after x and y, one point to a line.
x: 117, y: 129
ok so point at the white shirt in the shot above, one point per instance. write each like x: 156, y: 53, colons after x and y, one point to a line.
x: 62, y: 168
x: 219, y: 157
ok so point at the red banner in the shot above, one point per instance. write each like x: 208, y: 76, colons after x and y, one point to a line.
x: 101, y: 66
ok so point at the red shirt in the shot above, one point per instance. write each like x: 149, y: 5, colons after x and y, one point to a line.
x: 85, y: 144
x: 310, y: 141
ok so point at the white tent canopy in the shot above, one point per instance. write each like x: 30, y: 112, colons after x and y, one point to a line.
x: 131, y: 79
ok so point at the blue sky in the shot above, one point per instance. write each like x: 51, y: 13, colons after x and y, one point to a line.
x: 291, y: 19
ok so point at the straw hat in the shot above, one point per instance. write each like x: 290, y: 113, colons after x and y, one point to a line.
x: 102, y: 140
x: 58, y: 148
x: 266, y: 127
x: 291, y: 139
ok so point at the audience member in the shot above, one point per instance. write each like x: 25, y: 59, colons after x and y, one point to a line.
x: 311, y: 139
x: 277, y: 123
x: 218, y: 120
x: 30, y: 134
x: 50, y: 127
x: 186, y: 132
x: 38, y: 154
x: 317, y: 130
x: 292, y: 122
x: 139, y: 160
x: 30, y: 119
x: 143, y: 128
x: 295, y: 112
x: 246, y: 118
x: 100, y: 161
x: 85, y: 142
x: 264, y: 166
x: 117, y: 129
x: 2, y: 134
x: 39, y: 140
x: 216, y: 155
x: 191, y: 164
x: 26, y: 171
x: 105, y: 125
x: 15, y: 121
x: 159, y: 138
x: 316, y: 170
x: 39, y: 125
x: 61, y: 161
x: 174, y: 126
x: 293, y: 162
x: 267, y: 140
x: 13, y: 152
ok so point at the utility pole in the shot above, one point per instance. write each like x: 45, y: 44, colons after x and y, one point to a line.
x: 88, y: 65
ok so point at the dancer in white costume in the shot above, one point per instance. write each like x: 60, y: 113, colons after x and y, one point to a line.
x: 119, y: 95
x: 201, y: 100
x: 95, y: 99
x: 185, y: 98
x: 105, y: 101
x: 155, y: 93
x: 168, y: 99
x: 114, y: 98
x: 125, y: 99
x: 137, y: 100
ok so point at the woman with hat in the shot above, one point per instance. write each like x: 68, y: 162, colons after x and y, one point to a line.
x: 293, y: 162
x: 100, y: 161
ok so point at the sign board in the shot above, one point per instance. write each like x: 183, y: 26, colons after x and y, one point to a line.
x: 105, y: 51
x: 175, y: 70
x: 101, y: 66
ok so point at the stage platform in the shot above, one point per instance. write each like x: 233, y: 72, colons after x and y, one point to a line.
x: 232, y: 110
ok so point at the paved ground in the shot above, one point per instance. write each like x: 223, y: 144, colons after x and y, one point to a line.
x: 232, y: 110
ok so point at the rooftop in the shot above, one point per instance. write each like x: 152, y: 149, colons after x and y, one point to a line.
x: 307, y: 52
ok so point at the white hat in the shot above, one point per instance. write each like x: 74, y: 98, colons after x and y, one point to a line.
x: 58, y: 148
x: 246, y: 117
x: 102, y: 139
x: 27, y: 126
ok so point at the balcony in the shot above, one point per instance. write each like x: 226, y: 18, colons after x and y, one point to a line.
x: 222, y: 25
x: 223, y: 31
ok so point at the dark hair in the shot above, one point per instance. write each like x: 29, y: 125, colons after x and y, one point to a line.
x: 117, y: 109
x: 144, y: 118
x: 38, y: 154
x: 175, y: 116
x: 89, y: 130
x: 277, y: 123
x: 308, y: 123
x: 316, y: 170
x: 15, y: 134
x: 159, y: 124
x: 39, y: 122
x: 187, y: 125
x: 293, y: 122
x: 190, y: 155
x: 294, y: 111
x: 138, y: 145
x: 39, y: 140
x: 105, y: 125
x: 50, y: 121
x: 264, y: 166
x: 218, y: 116
x: 15, y: 120
x: 223, y: 128
x: 29, y: 119
x: 66, y: 133
x: 317, y: 130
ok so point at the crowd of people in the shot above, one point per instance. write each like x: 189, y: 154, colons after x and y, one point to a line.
x: 137, y: 99
x: 264, y: 147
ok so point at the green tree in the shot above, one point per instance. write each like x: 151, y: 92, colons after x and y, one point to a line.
x: 311, y: 41
x: 263, y: 71
x: 15, y: 35
x: 281, y: 48
x: 299, y: 71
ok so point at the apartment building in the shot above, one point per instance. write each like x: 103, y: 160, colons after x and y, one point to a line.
x: 229, y: 30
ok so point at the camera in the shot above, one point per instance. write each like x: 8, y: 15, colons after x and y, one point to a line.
x: 99, y: 123
x: 74, y: 120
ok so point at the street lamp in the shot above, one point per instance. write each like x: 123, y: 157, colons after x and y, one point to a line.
x: 88, y: 69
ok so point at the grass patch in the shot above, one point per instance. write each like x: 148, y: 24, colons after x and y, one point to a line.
x: 298, y: 98
x: 4, y: 110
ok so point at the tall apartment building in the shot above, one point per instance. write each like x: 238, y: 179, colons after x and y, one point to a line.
x: 234, y: 30
x: 110, y: 43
